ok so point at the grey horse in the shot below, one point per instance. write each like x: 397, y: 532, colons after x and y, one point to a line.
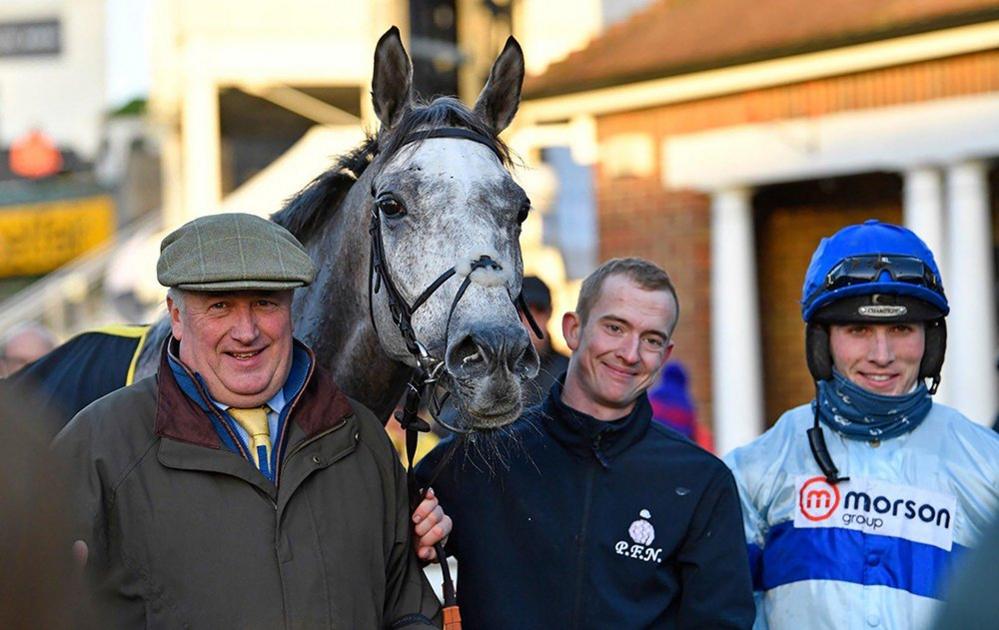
x: 442, y: 203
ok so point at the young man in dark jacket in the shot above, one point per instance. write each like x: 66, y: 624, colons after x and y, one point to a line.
x: 240, y: 488
x: 586, y: 514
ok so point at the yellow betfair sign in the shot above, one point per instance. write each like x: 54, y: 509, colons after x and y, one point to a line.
x: 36, y: 238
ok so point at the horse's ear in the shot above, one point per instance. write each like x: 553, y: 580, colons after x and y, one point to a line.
x: 391, y: 85
x: 497, y: 103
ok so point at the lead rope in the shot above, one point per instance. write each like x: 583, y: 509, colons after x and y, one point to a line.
x: 422, y: 386
x: 413, y: 424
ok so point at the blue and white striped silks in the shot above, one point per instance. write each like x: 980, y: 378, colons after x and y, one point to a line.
x: 872, y: 552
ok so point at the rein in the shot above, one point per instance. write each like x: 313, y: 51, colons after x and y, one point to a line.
x: 423, y: 384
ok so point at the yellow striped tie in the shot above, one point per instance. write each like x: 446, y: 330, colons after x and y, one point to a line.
x: 254, y: 420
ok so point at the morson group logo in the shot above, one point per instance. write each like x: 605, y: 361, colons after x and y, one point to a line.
x: 876, y: 507
x: 818, y: 499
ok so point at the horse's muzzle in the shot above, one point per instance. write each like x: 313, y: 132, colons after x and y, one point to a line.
x: 482, y: 351
x: 489, y: 365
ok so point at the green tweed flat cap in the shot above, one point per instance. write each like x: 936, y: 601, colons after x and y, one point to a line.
x: 233, y: 252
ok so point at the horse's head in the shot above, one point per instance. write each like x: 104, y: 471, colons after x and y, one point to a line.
x: 443, y: 200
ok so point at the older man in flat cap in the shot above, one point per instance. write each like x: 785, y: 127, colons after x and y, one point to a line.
x: 240, y: 488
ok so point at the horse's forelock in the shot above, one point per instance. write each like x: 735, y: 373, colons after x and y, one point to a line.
x: 440, y: 112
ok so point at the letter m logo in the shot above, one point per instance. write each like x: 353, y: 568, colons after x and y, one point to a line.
x: 818, y: 499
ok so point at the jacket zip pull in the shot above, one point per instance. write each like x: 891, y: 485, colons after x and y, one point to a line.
x: 595, y: 447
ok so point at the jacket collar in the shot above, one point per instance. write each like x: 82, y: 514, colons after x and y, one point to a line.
x: 587, y: 436
x: 183, y: 405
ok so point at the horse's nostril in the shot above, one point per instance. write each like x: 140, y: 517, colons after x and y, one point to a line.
x: 526, y: 362
x: 464, y: 355
x: 486, y: 350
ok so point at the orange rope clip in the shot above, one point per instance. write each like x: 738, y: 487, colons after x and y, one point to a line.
x: 452, y: 618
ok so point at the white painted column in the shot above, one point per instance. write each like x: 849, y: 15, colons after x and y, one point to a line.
x: 171, y: 170
x: 971, y: 326
x: 923, y: 209
x: 736, y: 367
x: 201, y: 145
x: 923, y: 213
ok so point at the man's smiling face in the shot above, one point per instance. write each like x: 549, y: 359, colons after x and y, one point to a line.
x: 240, y: 342
x: 881, y: 358
x: 618, y: 352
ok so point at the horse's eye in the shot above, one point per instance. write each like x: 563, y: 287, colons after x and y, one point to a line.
x: 525, y: 209
x: 391, y: 207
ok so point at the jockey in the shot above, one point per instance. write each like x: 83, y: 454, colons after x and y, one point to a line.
x: 856, y: 505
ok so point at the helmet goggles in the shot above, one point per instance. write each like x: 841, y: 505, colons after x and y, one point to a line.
x: 863, y: 269
x: 865, y: 272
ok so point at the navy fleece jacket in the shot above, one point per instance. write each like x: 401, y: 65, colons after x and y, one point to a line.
x: 564, y: 521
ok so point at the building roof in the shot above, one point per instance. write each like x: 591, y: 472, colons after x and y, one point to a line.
x: 674, y: 37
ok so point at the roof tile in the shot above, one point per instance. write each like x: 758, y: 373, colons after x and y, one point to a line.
x: 672, y: 37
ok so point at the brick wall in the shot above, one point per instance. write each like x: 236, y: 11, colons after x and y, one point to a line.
x: 637, y: 216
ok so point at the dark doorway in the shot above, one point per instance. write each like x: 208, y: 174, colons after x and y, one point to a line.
x: 790, y: 221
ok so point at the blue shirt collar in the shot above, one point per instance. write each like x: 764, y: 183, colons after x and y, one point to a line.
x: 292, y: 385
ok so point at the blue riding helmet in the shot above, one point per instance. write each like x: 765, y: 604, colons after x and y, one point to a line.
x: 889, y: 271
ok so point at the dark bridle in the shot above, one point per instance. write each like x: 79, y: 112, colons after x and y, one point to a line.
x: 428, y: 367
x: 422, y: 385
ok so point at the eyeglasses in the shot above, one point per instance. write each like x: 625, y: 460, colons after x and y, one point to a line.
x: 861, y: 269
